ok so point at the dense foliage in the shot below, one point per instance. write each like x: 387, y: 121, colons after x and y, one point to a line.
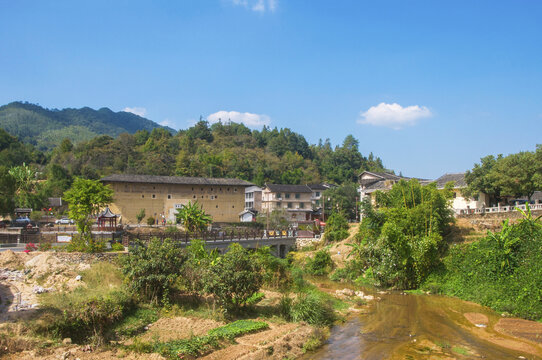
x: 234, y: 277
x: 336, y: 227
x: 85, y: 198
x: 400, y: 242
x: 503, y: 270
x: 221, y: 150
x: 152, y: 270
x: 515, y: 175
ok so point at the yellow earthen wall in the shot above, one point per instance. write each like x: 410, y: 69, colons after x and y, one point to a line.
x: 223, y: 203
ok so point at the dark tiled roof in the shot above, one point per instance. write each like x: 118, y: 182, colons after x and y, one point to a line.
x: 457, y: 178
x: 279, y: 188
x: 380, y: 185
x: 181, y: 180
x: 384, y: 175
x: 106, y: 214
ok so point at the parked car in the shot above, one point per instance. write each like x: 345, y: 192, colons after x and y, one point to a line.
x: 64, y: 221
x: 22, y: 221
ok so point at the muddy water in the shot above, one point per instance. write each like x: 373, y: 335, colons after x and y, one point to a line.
x: 421, y: 327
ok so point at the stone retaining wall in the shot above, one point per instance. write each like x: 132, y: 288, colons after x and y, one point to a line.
x: 498, y: 216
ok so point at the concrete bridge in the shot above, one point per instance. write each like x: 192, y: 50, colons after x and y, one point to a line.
x: 280, y: 241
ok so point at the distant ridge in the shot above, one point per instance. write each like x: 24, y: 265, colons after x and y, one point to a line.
x: 46, y: 128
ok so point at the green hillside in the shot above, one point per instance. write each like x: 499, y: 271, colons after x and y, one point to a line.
x: 46, y: 128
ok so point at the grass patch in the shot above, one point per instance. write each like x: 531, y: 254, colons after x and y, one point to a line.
x: 200, y: 345
x: 135, y: 321
x: 460, y: 350
x: 85, y: 312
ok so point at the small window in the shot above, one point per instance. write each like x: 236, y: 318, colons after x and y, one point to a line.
x: 287, y: 196
x: 235, y: 189
x: 201, y: 189
x: 142, y: 196
x: 202, y: 196
x: 297, y: 196
x: 211, y: 189
x: 194, y: 196
x: 154, y: 187
x: 301, y: 205
x: 233, y: 206
x: 278, y: 196
x: 154, y: 196
x: 192, y: 189
x: 217, y: 206
x: 289, y: 205
x: 169, y: 196
x: 228, y: 189
x: 317, y: 193
x: 216, y: 196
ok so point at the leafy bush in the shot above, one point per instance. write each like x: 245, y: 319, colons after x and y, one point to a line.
x: 30, y: 247
x: 502, y: 270
x: 117, y: 247
x: 234, y: 278
x: 150, y: 221
x: 85, y: 244
x: 336, y: 227
x: 320, y: 264
x: 309, y: 307
x: 276, y: 271
x: 402, y: 240
x: 45, y: 246
x: 153, y: 269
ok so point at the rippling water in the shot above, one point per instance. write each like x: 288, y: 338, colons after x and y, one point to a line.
x: 417, y: 327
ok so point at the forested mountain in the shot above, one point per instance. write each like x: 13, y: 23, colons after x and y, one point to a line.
x: 220, y: 150
x: 46, y: 128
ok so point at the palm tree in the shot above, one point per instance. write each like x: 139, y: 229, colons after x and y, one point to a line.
x: 193, y: 217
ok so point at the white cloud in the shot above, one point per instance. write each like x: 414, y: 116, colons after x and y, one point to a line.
x: 249, y: 119
x: 393, y: 115
x: 260, y: 6
x: 167, y: 122
x: 141, y: 111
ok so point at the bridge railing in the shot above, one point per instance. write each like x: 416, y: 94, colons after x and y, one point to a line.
x: 218, y: 236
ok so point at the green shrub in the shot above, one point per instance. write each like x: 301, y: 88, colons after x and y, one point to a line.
x: 82, y: 244
x: 336, y: 227
x: 170, y: 230
x: 313, y: 309
x: 150, y: 221
x: 117, y: 247
x: 502, y: 270
x: 276, y: 271
x: 153, y: 269
x: 320, y: 264
x: 44, y: 246
x: 234, y: 278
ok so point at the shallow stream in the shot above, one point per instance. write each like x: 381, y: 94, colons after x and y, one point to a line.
x: 406, y: 326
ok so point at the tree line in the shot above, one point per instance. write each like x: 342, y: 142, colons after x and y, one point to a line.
x: 203, y: 150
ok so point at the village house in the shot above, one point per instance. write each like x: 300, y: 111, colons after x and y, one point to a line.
x: 370, y: 182
x: 163, y: 196
x: 460, y: 203
x: 295, y: 200
x: 253, y: 204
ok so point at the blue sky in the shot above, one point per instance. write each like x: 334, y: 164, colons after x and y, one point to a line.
x: 429, y: 86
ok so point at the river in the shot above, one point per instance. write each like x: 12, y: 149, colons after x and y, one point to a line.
x: 407, y: 326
